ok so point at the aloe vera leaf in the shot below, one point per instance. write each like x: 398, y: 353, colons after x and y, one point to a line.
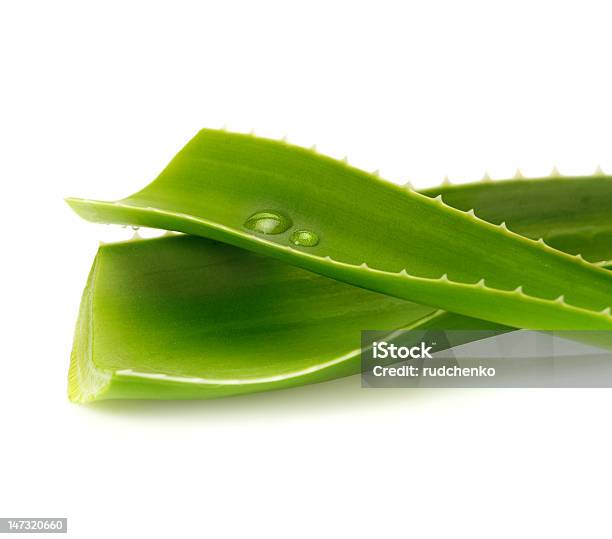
x: 184, y: 317
x: 187, y: 317
x: 129, y: 283
x: 571, y: 214
x: 372, y: 234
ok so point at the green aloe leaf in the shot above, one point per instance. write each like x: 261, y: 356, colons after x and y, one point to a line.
x: 572, y: 214
x: 258, y: 194
x: 183, y: 317
x: 187, y: 317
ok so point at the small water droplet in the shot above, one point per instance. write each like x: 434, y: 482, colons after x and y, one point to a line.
x: 268, y: 222
x: 305, y: 238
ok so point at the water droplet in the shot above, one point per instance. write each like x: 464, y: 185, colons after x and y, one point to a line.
x: 268, y: 222
x: 304, y: 237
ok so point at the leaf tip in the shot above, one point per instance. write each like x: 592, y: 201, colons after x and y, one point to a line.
x: 554, y: 173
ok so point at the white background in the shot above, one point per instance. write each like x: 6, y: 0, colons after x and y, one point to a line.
x: 96, y: 97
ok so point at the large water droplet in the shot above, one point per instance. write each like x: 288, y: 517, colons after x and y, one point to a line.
x: 268, y: 222
x: 305, y: 238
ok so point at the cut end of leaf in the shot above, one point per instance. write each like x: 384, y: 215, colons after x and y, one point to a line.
x: 85, y: 382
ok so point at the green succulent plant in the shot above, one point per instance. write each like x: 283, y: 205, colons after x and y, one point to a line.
x: 287, y: 254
